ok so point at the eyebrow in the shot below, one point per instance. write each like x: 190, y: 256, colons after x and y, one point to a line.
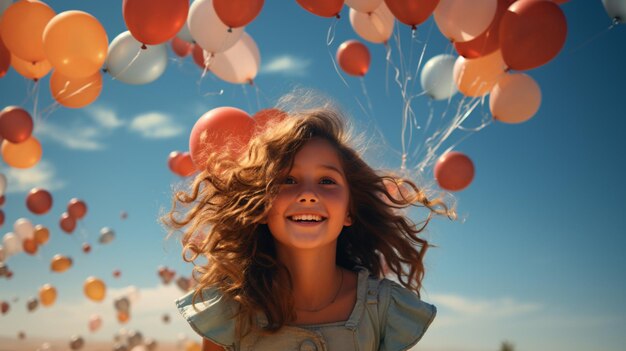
x: 324, y: 166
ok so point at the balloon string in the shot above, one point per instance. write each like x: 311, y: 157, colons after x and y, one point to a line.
x: 245, y: 94
x: 592, y: 39
x: 419, y: 64
x: 367, y: 98
x: 129, y: 64
x: 207, y: 62
x: 258, y: 96
x: 332, y: 58
x: 36, y: 100
x: 330, y: 35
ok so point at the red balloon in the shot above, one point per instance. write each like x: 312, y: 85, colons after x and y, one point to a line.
x: 2, y: 199
x: 267, y: 117
x: 324, y: 8
x: 454, y: 171
x: 30, y: 246
x: 16, y: 125
x: 39, y: 201
x: 67, y: 223
x: 180, y: 47
x: 412, y: 12
x: 5, y: 58
x: 532, y: 32
x: 4, y: 307
x: 86, y: 248
x: 353, y: 57
x: 154, y: 22
x: 237, y: 13
x: 172, y: 161
x: 77, y: 208
x: 1, y: 218
x: 116, y: 273
x: 222, y: 129
x: 487, y: 42
x: 198, y: 55
x: 184, y: 165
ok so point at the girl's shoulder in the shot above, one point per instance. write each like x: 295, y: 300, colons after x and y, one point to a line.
x: 211, y: 314
x: 403, y: 317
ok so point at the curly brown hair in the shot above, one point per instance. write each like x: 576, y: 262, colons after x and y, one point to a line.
x: 221, y: 218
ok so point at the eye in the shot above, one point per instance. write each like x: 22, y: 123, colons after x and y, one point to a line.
x: 327, y: 181
x: 289, y: 180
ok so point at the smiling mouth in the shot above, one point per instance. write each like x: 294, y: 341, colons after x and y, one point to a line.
x: 307, y: 218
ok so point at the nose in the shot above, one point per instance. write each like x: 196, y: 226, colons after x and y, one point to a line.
x: 307, y: 196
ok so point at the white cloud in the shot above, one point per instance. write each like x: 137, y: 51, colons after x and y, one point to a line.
x: 287, y: 65
x: 105, y: 117
x: 72, y: 137
x: 155, y: 125
x: 42, y: 175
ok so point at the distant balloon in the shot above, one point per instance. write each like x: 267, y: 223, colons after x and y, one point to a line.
x: 94, y: 289
x: 32, y: 304
x: 86, y: 248
x: 4, y: 307
x: 42, y: 234
x: 77, y: 208
x: 122, y: 304
x: 180, y: 47
x: 106, y: 235
x: 117, y: 273
x: 123, y: 317
x: 60, y: 263
x: 454, y: 171
x: 30, y: 246
x: 12, y: 244
x: 95, y: 322
x: 24, y: 229
x: 67, y: 223
x: 183, y: 283
x: 3, y: 183
x: 134, y: 338
x: 166, y: 318
x: 47, y: 295
x: 39, y: 201
x: 77, y: 342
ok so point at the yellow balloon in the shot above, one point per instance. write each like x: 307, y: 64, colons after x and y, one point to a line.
x: 60, y: 263
x: 42, y: 234
x: 47, y: 295
x: 23, y: 155
x: 193, y: 346
x: 476, y: 77
x: 30, y: 70
x: 75, y: 43
x: 22, y: 25
x: 75, y: 92
x: 94, y: 289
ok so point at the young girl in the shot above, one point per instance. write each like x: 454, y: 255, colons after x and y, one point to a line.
x: 297, y: 234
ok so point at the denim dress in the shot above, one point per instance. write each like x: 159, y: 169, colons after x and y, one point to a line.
x: 386, y: 316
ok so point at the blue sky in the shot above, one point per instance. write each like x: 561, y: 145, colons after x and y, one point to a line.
x: 535, y: 258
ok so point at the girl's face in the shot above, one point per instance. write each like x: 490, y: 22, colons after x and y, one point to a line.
x: 311, y: 207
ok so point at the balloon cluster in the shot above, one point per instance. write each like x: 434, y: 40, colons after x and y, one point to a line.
x: 128, y: 340
x: 25, y: 237
x: 76, y: 210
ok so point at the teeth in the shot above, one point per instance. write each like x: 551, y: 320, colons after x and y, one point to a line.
x: 307, y: 217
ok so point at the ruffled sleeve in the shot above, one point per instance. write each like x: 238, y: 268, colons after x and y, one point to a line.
x: 211, y: 316
x: 404, y: 318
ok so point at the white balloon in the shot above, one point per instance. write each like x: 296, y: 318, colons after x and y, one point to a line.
x: 437, y: 77
x: 208, y: 30
x: 12, y: 244
x: 238, y: 64
x: 24, y: 229
x: 464, y: 20
x: 365, y: 6
x: 130, y: 64
x: 3, y: 183
x: 106, y: 235
x: 616, y: 9
x: 375, y: 27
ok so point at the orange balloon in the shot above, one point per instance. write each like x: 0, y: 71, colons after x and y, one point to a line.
x: 47, y: 295
x: 353, y: 57
x: 42, y: 234
x: 123, y: 317
x: 180, y: 47
x: 94, y: 289
x: 16, y: 124
x: 476, y: 77
x: 515, y: 98
x: 267, y: 117
x: 412, y: 12
x: 39, y: 201
x: 31, y: 70
x: 454, y: 171
x: 23, y: 155
x: 532, y: 32
x: 22, y: 26
x: 75, y: 92
x: 154, y: 22
x: 77, y: 208
x: 323, y: 8
x: 237, y: 13
x: 487, y: 42
x: 67, y: 223
x: 192, y: 346
x: 76, y: 44
x: 172, y: 161
x: 5, y: 59
x: 30, y: 246
x: 224, y: 129
x: 60, y: 263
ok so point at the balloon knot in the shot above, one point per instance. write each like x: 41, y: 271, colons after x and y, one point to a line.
x: 251, y: 82
x: 104, y: 70
x: 507, y: 69
x: 617, y: 20
x: 338, y: 15
x: 143, y: 46
x: 230, y: 30
x: 35, y: 80
x: 414, y: 28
